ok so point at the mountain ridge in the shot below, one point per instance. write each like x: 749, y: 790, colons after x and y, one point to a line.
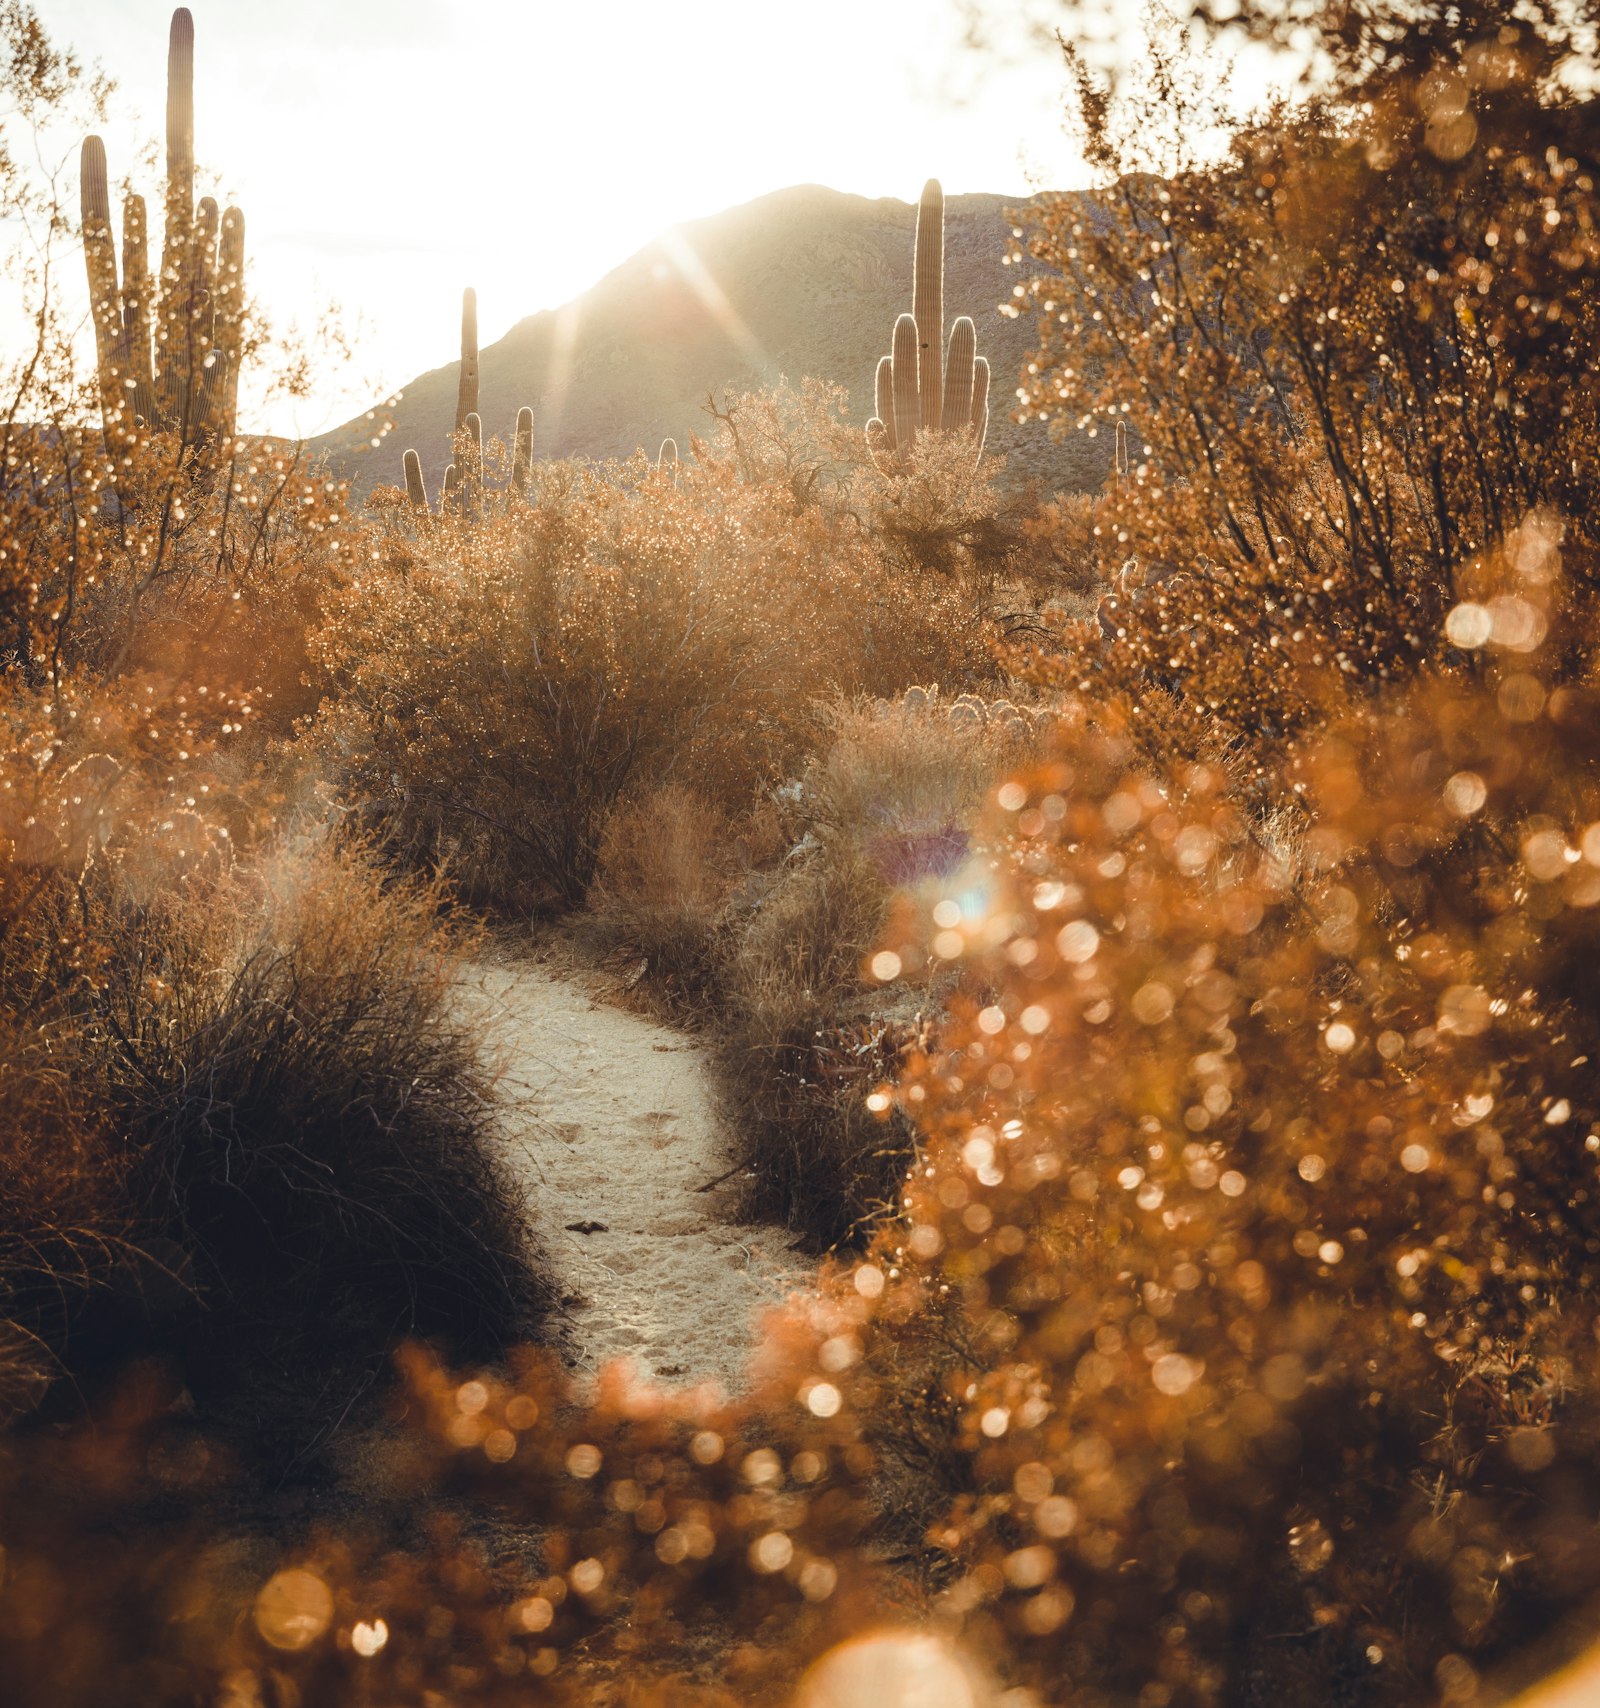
x: 802, y: 282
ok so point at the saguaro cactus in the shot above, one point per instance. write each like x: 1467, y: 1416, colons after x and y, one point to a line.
x: 167, y: 357
x: 927, y: 299
x: 464, y: 483
x: 416, y: 491
x: 921, y: 387
x: 467, y: 392
x: 522, y: 455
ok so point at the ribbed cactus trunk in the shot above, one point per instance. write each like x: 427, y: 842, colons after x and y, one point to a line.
x: 169, y: 348
x: 979, y: 419
x: 138, y: 302
x: 174, y: 340
x: 522, y: 454
x: 927, y: 301
x: 229, y: 333
x: 416, y: 491
x: 883, y: 398
x: 469, y: 458
x: 907, y: 392
x: 105, y: 295
x: 467, y: 392
x: 920, y: 387
x: 963, y: 353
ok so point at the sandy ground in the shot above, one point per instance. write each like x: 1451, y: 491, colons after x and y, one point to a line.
x: 612, y: 1122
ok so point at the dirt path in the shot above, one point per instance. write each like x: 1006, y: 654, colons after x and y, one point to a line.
x: 612, y: 1123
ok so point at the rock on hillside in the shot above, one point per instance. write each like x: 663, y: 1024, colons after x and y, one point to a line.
x: 804, y: 282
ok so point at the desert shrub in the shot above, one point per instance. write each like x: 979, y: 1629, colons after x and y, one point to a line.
x: 1269, y: 1208
x: 1349, y: 387
x: 243, y: 1083
x: 666, y: 864
x: 620, y: 632
x: 885, y: 806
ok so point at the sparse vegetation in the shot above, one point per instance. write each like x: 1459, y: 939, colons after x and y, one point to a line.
x: 1148, y: 947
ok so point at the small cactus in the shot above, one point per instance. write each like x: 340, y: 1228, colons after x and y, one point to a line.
x: 416, y: 490
x: 667, y: 456
x: 921, y: 387
x: 522, y: 455
x: 1120, y: 457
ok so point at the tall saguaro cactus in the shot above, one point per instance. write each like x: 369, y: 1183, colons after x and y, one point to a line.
x: 467, y: 391
x: 921, y: 386
x: 927, y: 299
x: 168, y: 352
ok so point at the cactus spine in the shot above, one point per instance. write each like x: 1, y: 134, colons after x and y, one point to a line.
x: 920, y: 387
x: 168, y: 353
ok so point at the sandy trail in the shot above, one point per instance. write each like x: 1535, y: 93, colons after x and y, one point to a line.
x: 612, y: 1124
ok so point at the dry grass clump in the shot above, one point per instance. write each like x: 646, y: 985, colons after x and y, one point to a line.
x: 667, y: 861
x: 308, y: 1112
x: 244, y: 1121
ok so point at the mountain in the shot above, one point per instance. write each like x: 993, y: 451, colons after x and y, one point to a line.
x: 805, y: 282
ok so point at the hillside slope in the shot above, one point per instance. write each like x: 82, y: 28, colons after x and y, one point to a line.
x: 805, y: 282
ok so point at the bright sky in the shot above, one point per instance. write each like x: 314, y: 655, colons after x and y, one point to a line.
x: 388, y: 152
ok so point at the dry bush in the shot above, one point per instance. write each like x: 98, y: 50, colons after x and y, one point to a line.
x: 886, y: 805
x: 298, y: 1116
x: 1349, y: 387
x: 621, y: 631
x: 667, y: 861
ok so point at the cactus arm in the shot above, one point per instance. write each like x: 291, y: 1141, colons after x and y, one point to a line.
x: 203, y: 276
x: 883, y: 399
x: 667, y: 456
x: 907, y: 401
x: 230, y: 311
x: 416, y: 490
x: 472, y: 468
x: 136, y: 306
x: 958, y: 376
x: 879, y: 447
x: 927, y: 301
x: 1119, y: 460
x: 467, y: 396
x: 980, y: 401
x: 452, y: 487
x: 105, y: 295
x: 522, y: 455
x: 211, y: 394
x: 176, y: 355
